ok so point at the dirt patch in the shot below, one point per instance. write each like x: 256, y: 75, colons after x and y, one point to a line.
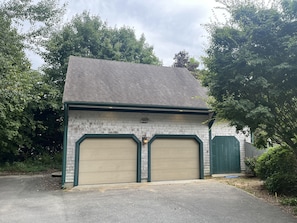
x: 256, y: 187
x: 43, y: 181
x: 47, y: 182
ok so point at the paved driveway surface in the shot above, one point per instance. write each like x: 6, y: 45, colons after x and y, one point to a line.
x: 196, y: 201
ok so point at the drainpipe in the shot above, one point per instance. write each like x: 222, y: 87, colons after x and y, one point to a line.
x: 210, y: 123
x: 65, y: 143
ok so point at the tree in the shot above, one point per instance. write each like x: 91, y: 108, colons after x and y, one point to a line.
x: 20, y: 87
x: 182, y: 59
x: 88, y: 36
x: 252, y: 70
x: 40, y: 18
x: 16, y: 84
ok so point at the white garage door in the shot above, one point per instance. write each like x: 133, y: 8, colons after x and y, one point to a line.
x: 107, y: 160
x: 174, y: 159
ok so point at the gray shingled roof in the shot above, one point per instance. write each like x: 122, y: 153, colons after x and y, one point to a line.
x: 112, y: 82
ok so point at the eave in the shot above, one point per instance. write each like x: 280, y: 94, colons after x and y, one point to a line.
x: 136, y: 108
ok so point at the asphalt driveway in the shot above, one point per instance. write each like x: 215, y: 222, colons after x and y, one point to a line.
x: 196, y: 201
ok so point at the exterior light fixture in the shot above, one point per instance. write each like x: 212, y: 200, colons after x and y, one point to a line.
x: 144, y: 120
x: 145, y: 140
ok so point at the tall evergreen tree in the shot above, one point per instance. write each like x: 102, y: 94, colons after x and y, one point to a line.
x: 182, y: 59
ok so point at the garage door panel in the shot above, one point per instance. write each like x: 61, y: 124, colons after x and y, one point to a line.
x: 107, y: 160
x: 105, y: 142
x: 107, y: 153
x: 174, y: 159
x: 174, y: 142
x: 106, y: 165
x: 174, y: 175
x: 174, y: 164
x: 107, y: 177
x: 107, y: 148
x: 172, y: 154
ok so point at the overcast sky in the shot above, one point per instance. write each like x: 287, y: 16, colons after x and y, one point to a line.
x: 168, y: 25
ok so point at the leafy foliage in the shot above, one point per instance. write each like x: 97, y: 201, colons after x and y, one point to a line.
x: 42, y: 15
x: 22, y: 89
x: 182, y: 59
x: 278, y: 167
x: 276, y: 159
x: 34, y: 164
x: 252, y: 69
x: 289, y: 201
x: 15, y: 84
x: 88, y: 36
x: 250, y: 163
x: 282, y: 183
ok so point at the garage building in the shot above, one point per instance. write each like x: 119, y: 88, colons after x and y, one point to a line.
x: 127, y: 122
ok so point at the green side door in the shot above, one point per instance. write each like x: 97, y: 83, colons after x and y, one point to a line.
x: 225, y: 155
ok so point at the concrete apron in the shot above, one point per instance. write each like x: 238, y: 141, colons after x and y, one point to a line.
x: 104, y: 187
x: 229, y: 175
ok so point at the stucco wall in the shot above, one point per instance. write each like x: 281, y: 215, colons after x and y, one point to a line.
x: 222, y: 128
x: 102, y: 122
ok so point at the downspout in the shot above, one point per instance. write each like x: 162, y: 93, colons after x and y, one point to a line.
x: 65, y: 143
x: 210, y: 123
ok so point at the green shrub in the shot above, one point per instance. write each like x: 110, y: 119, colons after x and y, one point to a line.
x: 22, y: 167
x: 282, y: 183
x: 291, y: 201
x: 250, y: 163
x: 32, y: 165
x: 278, y: 167
x: 276, y: 160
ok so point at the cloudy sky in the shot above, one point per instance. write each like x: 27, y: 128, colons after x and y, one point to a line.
x: 168, y: 25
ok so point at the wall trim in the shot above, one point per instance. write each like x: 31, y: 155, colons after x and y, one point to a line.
x: 65, y: 140
x: 141, y: 110
x: 210, y: 145
x: 103, y: 104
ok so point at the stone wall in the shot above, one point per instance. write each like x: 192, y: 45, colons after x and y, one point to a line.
x: 103, y: 122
